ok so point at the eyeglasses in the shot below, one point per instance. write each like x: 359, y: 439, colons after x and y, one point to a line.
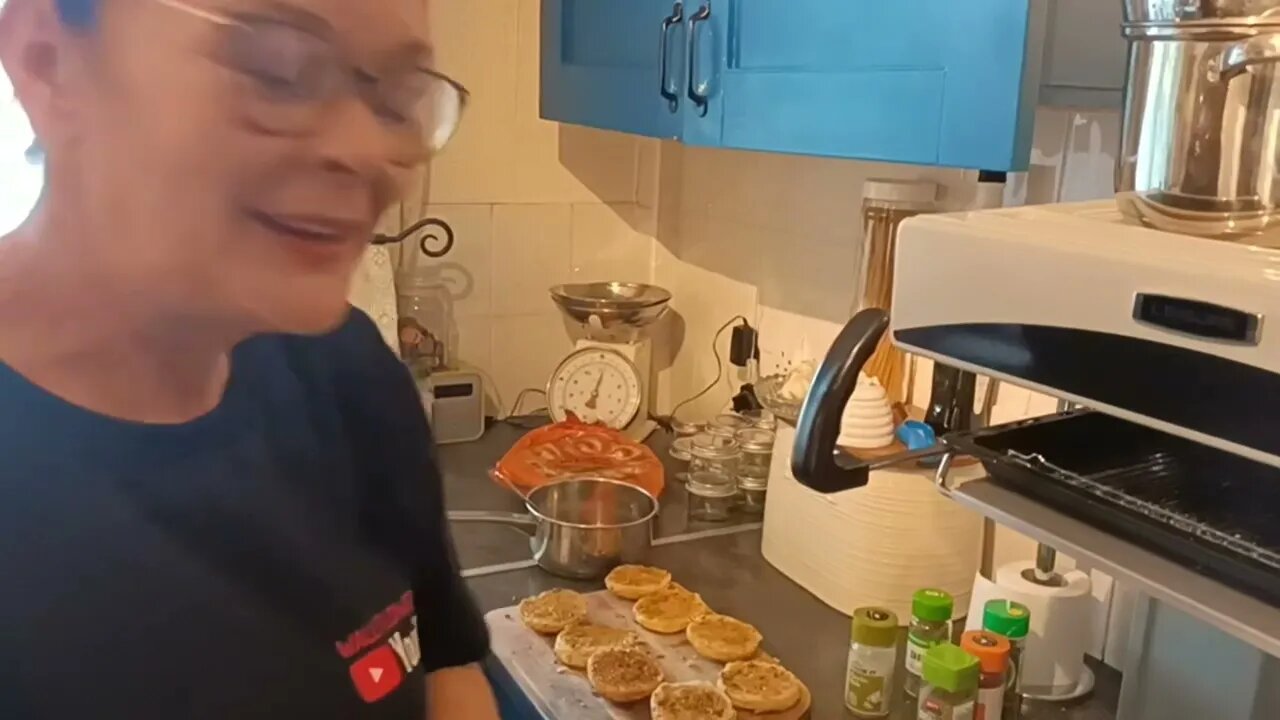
x: 297, y: 73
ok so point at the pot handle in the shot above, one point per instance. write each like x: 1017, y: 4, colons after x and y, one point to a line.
x: 516, y: 520
x: 1237, y: 59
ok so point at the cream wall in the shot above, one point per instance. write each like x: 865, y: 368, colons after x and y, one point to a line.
x: 532, y: 203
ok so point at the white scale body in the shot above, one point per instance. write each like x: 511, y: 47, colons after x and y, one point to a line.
x: 605, y: 382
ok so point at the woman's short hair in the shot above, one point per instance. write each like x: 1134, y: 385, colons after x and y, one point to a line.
x: 79, y: 14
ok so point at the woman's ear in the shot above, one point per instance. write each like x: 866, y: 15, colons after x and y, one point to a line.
x: 36, y: 54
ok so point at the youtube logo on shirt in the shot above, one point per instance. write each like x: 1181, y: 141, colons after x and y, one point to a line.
x: 377, y: 674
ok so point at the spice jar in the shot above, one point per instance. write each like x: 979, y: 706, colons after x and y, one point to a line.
x: 930, y: 625
x: 757, y: 457
x: 873, y: 656
x: 992, y: 652
x: 1012, y: 621
x: 950, y: 690
x: 711, y: 496
x: 714, y: 453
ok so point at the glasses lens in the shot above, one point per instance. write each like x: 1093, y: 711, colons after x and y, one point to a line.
x: 438, y: 108
x: 291, y: 69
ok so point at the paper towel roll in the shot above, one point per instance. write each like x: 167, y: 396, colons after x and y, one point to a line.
x: 1060, y: 625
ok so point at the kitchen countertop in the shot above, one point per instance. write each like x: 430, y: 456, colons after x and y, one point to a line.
x: 466, y: 466
x: 810, y: 638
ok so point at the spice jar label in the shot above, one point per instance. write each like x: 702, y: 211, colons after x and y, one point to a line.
x: 931, y: 709
x: 867, y: 692
x: 990, y: 704
x: 915, y: 654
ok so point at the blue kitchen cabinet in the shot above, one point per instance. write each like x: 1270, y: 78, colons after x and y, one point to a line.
x: 933, y: 82
x: 613, y: 64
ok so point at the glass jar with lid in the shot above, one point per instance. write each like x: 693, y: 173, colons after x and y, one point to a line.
x: 716, y: 454
x: 757, y: 457
x: 711, y: 496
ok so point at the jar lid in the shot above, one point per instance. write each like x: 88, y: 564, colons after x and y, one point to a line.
x: 991, y: 650
x: 712, y: 485
x: 715, y: 446
x: 875, y: 626
x: 729, y: 420
x: 908, y: 192
x: 756, y: 440
x: 762, y: 419
x: 948, y: 667
x: 1007, y: 618
x: 685, y: 429
x: 932, y: 604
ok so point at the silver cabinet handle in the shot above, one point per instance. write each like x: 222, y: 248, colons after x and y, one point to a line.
x: 700, y: 100
x: 676, y: 17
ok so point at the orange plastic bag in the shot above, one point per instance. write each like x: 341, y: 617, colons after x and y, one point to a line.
x: 573, y: 447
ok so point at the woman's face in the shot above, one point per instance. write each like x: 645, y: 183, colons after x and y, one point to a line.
x: 231, y: 157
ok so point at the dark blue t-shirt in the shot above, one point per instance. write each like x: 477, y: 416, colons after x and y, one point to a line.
x: 284, y: 556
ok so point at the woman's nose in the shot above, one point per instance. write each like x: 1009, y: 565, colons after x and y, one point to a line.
x: 356, y: 140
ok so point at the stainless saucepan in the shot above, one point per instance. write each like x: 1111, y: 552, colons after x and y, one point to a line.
x: 581, y: 527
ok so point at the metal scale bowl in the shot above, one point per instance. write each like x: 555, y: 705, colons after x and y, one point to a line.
x: 607, y: 376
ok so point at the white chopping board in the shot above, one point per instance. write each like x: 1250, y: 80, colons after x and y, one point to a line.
x: 560, y: 693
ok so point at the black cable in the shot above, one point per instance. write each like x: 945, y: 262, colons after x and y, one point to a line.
x: 715, y: 350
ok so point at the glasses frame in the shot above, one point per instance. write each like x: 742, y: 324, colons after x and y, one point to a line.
x: 357, y: 77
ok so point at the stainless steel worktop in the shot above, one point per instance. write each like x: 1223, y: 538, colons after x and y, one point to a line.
x: 809, y: 637
x: 727, y: 569
x: 483, y: 548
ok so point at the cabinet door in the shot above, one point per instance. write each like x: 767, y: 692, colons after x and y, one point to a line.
x: 601, y: 64
x: 935, y: 82
x: 1086, y: 56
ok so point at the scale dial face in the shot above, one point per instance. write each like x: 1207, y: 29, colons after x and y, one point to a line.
x: 597, y: 385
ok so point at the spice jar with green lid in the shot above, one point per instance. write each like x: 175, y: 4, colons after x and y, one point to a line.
x: 930, y: 624
x: 1013, y: 621
x: 950, y: 690
x: 873, y: 656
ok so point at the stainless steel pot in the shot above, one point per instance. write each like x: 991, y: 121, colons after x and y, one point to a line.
x: 1200, y: 149
x: 581, y: 527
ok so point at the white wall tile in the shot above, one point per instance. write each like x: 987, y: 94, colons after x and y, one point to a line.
x: 526, y: 349
x: 468, y: 267
x: 1093, y: 143
x: 532, y: 246
x: 610, y: 243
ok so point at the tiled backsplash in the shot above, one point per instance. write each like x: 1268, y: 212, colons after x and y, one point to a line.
x: 531, y: 203
x: 777, y: 238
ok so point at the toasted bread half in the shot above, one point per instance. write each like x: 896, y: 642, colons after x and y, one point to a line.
x: 632, y: 582
x: 722, y: 638
x: 690, y: 701
x: 624, y: 674
x: 577, y: 643
x: 760, y: 686
x: 552, y: 611
x: 669, y: 610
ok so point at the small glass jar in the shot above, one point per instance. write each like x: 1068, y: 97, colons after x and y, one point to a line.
x: 950, y: 687
x: 762, y: 419
x: 681, y: 453
x: 930, y: 625
x: 711, y: 496
x: 752, y: 500
x: 715, y: 454
x: 757, y: 457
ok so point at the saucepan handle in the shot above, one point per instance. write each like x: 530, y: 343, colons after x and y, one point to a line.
x: 1239, y: 58
x: 517, y: 520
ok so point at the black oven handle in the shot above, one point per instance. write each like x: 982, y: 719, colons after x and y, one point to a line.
x: 814, y: 459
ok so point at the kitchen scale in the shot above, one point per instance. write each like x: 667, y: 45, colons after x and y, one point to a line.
x: 606, y: 378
